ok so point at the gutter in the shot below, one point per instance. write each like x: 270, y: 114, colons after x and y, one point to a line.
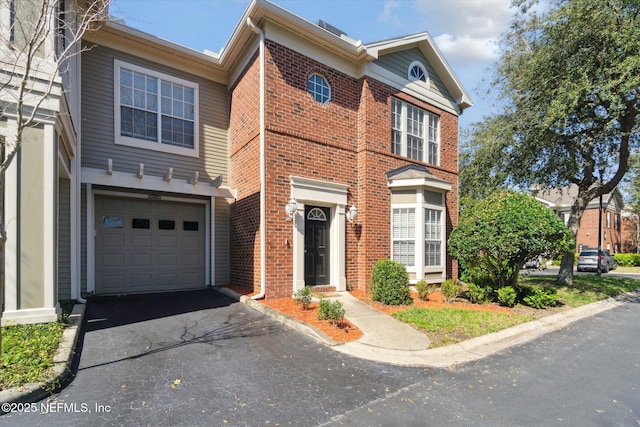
x: 263, y: 200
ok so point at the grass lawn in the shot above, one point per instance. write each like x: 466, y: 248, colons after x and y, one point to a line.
x: 450, y: 325
x: 28, y: 351
x: 586, y: 288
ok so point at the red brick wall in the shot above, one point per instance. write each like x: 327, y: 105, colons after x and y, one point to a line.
x: 629, y: 234
x: 244, y: 131
x: 346, y: 140
x: 588, y: 232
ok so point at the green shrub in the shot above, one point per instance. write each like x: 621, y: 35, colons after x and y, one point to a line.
x: 331, y: 311
x: 390, y: 283
x: 303, y: 296
x: 450, y: 289
x: 507, y: 296
x: 627, y: 260
x: 478, y: 294
x: 425, y: 289
x: 541, y: 298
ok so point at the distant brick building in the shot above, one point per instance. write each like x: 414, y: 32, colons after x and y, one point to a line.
x: 630, y: 233
x: 560, y: 201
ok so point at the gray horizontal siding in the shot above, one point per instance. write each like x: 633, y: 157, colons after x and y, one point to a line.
x: 98, y: 123
x: 398, y: 63
x: 64, y: 239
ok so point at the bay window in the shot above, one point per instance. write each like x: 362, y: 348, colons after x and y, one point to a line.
x: 417, y: 231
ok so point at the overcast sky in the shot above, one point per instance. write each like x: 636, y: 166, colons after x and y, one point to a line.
x: 466, y: 31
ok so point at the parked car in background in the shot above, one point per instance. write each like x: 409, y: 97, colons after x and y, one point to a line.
x: 534, y: 263
x: 588, y: 261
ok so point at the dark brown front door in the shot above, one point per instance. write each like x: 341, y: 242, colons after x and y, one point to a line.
x: 316, y: 245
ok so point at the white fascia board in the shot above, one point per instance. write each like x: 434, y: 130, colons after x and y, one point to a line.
x: 385, y: 76
x: 153, y: 183
x: 206, y: 57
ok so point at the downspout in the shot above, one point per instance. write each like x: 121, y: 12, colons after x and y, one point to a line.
x: 263, y: 199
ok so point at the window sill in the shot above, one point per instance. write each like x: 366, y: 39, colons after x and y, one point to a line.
x: 157, y: 146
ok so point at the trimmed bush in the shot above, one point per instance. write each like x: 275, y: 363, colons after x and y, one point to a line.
x: 451, y: 289
x: 541, y: 298
x: 507, y: 296
x: 478, y: 294
x: 425, y: 289
x: 390, y: 283
x: 331, y: 311
x: 303, y: 296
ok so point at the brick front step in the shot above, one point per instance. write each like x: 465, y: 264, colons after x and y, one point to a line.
x: 322, y: 288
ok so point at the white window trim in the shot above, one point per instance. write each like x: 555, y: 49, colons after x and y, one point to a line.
x: 424, y: 70
x: 425, y: 140
x: 151, y: 145
x: 420, y: 269
x: 416, y: 244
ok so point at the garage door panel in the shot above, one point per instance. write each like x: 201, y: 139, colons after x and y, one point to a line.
x: 190, y: 242
x: 167, y: 259
x: 190, y: 260
x: 113, y: 282
x: 142, y: 260
x: 113, y: 260
x: 148, y: 249
x: 141, y: 241
x: 110, y: 204
x: 191, y: 279
x: 167, y: 241
x: 111, y: 240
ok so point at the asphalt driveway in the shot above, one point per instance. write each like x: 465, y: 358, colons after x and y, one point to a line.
x: 200, y: 358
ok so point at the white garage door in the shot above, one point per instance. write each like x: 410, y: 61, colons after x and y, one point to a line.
x: 148, y: 245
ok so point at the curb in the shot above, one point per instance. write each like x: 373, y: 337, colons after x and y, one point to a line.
x: 287, y: 320
x: 33, y: 392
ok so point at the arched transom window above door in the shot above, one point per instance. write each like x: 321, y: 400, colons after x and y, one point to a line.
x: 316, y: 214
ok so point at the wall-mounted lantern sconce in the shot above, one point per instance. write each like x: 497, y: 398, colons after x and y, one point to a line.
x: 351, y: 213
x: 290, y: 208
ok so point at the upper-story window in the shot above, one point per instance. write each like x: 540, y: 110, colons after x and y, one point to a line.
x: 414, y: 132
x: 155, y: 111
x: 417, y: 72
x: 319, y: 88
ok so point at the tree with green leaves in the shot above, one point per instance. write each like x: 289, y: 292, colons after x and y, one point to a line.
x: 568, y: 82
x: 499, y: 233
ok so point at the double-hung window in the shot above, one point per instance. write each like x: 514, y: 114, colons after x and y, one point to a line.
x: 414, y: 132
x: 404, y: 236
x: 155, y: 111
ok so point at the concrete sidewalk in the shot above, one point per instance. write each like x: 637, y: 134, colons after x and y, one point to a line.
x: 388, y: 340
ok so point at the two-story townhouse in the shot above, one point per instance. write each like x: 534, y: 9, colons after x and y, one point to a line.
x: 297, y: 156
x: 342, y: 153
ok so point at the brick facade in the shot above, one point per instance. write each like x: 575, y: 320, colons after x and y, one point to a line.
x: 611, y: 230
x: 346, y: 141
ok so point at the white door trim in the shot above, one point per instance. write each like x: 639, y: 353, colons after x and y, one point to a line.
x: 306, y: 191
